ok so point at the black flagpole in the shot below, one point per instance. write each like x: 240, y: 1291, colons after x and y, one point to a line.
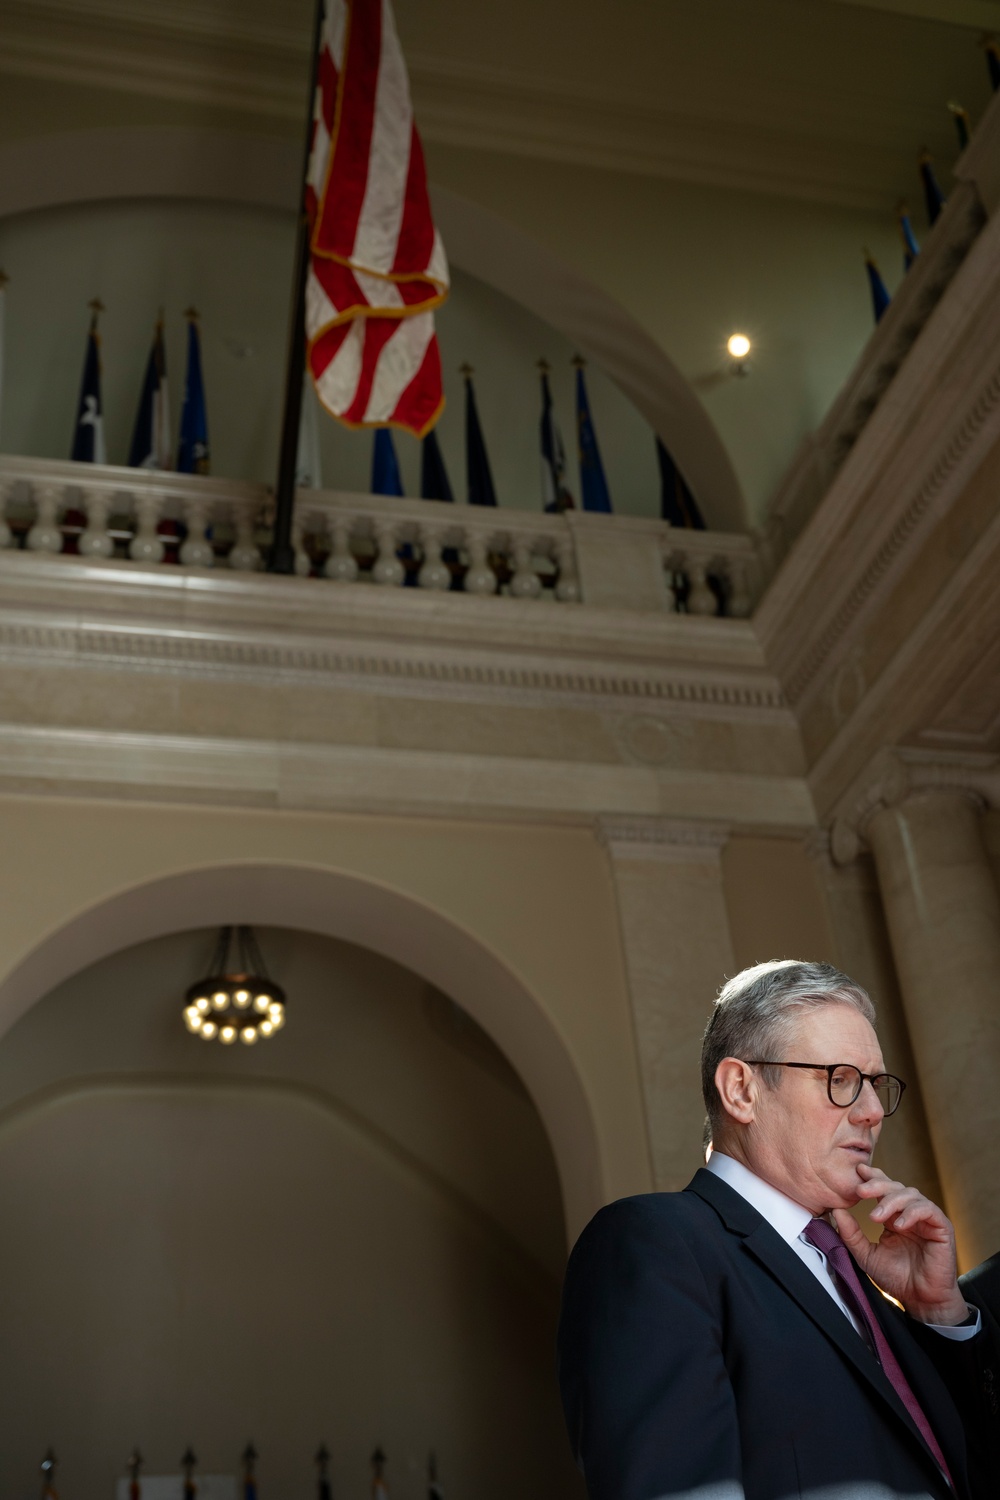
x: 282, y: 558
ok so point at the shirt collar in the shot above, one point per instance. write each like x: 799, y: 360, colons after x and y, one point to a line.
x: 784, y: 1215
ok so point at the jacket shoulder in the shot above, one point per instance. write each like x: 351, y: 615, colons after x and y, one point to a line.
x: 662, y: 1214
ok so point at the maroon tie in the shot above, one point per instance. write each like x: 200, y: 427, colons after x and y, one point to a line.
x: 821, y: 1234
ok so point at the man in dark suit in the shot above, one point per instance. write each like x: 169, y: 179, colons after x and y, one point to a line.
x: 981, y: 1287
x: 727, y: 1342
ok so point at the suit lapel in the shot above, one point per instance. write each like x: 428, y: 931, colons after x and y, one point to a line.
x: 780, y: 1261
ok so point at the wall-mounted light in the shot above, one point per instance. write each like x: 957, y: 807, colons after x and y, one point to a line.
x: 738, y: 346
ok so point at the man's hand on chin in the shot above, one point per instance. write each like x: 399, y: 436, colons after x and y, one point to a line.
x: 914, y: 1261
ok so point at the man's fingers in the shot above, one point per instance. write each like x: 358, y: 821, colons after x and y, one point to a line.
x: 894, y: 1203
x: 851, y: 1233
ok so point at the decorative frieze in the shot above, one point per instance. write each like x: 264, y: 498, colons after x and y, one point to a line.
x: 665, y: 839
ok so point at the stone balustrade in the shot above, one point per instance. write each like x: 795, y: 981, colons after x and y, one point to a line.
x: 108, y: 513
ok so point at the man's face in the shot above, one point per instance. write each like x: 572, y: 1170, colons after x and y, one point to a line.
x: 799, y: 1142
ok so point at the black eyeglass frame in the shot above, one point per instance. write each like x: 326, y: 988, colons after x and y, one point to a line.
x: 829, y: 1069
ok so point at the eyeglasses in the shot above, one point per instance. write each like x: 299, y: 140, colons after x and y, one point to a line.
x: 844, y: 1082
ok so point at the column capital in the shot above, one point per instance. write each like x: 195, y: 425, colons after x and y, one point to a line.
x: 899, y: 773
x: 650, y: 837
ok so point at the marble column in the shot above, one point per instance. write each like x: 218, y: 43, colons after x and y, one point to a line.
x: 675, y: 937
x: 943, y: 913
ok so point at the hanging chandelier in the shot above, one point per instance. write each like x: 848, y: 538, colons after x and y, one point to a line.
x: 238, y: 999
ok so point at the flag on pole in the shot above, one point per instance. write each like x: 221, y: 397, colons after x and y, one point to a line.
x: 323, y: 1490
x: 188, y: 1463
x: 963, y: 123
x: 933, y: 196
x: 192, y: 444
x: 151, y: 445
x: 434, y: 481
x: 380, y: 1490
x: 677, y: 504
x: 48, y: 1468
x: 477, y: 463
x: 249, y: 1478
x: 911, y: 245
x: 386, y: 478
x: 308, y: 463
x: 88, y: 435
x: 593, y: 485
x: 879, y: 290
x: 378, y: 267
x: 555, y: 492
x: 134, y: 1468
x: 992, y: 47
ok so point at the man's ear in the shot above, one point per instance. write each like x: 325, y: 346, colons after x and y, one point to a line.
x: 738, y: 1089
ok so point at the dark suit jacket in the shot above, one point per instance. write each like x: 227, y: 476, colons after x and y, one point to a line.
x: 981, y: 1286
x: 699, y: 1356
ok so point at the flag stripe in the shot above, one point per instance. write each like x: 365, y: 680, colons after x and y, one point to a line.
x: 389, y: 158
x: 338, y: 226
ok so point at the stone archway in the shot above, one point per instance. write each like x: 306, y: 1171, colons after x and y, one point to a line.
x: 359, y: 911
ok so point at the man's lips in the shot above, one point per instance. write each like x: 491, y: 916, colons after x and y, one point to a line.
x: 858, y: 1149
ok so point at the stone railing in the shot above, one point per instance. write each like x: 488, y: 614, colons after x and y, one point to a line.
x: 104, y: 513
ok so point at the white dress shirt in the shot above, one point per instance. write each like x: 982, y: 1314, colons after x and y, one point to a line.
x: 789, y: 1219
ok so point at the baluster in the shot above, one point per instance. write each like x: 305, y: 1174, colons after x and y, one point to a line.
x: 480, y: 578
x: 525, y: 583
x: 388, y: 569
x: 6, y: 535
x: 341, y: 565
x: 568, y: 587
x: 45, y: 535
x: 740, y: 601
x: 96, y: 541
x: 700, y: 600
x: 244, y: 555
x: 433, y: 574
x: 147, y: 545
x: 303, y: 562
x: 196, y: 550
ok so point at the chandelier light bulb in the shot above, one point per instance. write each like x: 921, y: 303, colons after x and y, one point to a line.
x: 227, y: 1035
x: 248, y: 1035
x: 738, y: 345
x: 266, y: 1028
x: 203, y: 1005
x: 208, y: 1030
x: 192, y: 1018
x: 261, y: 1003
x: 242, y: 999
x: 220, y: 999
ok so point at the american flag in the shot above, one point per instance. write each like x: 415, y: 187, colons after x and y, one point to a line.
x: 378, y: 267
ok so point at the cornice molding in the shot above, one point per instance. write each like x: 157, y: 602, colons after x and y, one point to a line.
x: 896, y: 775
x: 257, y: 69
x: 663, y: 840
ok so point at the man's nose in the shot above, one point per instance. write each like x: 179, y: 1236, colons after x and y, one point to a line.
x: 867, y: 1107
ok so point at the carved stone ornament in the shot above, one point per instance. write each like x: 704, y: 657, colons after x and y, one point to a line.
x: 896, y: 775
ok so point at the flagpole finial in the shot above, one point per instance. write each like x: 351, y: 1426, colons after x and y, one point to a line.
x: 466, y: 370
x: 578, y: 362
x: 544, y: 367
x: 249, y: 1458
x: 48, y: 1463
x: 96, y: 305
x: 135, y: 1463
x: 188, y: 1461
x: 4, y: 278
x: 378, y: 1461
x: 322, y: 1459
x: 192, y: 313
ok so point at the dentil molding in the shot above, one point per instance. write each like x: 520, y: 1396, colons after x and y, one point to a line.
x: 666, y: 840
x: 898, y: 774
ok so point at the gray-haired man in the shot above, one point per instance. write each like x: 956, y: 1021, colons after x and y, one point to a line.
x: 728, y: 1341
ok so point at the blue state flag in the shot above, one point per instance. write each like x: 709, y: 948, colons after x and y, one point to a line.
x: 88, y: 435
x: 386, y: 478
x: 434, y: 481
x: 677, y: 504
x: 593, y: 485
x: 879, y: 290
x: 192, y: 445
x: 477, y: 464
x: 151, y: 446
x: 933, y: 196
x: 911, y: 245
